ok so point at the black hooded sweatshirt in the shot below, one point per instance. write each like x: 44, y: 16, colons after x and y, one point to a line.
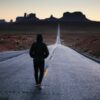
x: 39, y: 50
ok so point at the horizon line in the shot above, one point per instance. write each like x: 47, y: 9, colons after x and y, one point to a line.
x: 14, y: 19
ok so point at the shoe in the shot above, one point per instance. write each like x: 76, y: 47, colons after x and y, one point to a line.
x: 39, y: 86
x: 36, y: 85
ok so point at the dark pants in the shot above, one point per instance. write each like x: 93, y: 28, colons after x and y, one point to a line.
x: 38, y: 70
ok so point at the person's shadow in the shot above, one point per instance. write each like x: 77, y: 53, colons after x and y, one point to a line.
x: 36, y: 94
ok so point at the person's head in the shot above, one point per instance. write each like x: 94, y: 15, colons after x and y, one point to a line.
x: 39, y: 38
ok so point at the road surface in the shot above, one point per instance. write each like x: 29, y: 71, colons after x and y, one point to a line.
x: 71, y: 76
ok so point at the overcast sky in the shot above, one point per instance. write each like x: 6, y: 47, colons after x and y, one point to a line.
x: 9, y: 9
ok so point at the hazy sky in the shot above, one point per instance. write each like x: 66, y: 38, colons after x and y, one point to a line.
x: 9, y: 9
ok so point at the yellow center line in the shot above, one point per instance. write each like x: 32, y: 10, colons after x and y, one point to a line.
x: 46, y: 72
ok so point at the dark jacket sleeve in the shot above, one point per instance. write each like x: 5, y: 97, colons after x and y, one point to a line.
x: 46, y: 53
x: 31, y: 51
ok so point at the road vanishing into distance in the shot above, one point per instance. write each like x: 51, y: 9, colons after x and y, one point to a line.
x: 69, y: 76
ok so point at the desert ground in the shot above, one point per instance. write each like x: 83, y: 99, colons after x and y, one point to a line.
x: 83, y: 39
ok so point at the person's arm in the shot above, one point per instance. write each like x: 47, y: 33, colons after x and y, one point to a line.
x: 46, y: 51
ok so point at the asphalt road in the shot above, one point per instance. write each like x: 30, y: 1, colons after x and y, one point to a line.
x: 70, y: 76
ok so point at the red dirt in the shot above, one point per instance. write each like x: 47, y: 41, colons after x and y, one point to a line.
x: 85, y: 43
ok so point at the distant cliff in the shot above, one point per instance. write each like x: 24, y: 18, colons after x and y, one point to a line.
x: 67, y: 17
x: 74, y: 17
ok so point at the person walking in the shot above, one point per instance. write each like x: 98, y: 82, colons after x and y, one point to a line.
x: 39, y: 52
